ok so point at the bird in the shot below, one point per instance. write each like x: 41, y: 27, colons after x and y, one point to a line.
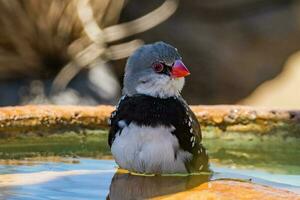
x: 152, y: 129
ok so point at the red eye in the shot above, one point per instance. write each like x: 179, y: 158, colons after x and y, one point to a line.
x: 158, y: 67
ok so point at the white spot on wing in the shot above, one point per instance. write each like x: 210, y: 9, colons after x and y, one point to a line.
x: 122, y: 123
x: 191, y: 130
x: 193, y: 144
x: 193, y: 139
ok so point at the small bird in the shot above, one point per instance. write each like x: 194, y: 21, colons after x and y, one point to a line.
x: 152, y: 129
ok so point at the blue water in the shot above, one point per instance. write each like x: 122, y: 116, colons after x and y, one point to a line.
x: 102, y: 180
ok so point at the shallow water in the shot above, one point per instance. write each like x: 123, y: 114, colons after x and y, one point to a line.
x: 271, y: 161
x: 97, y: 179
x: 274, y: 154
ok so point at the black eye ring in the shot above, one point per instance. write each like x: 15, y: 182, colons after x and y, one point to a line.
x: 158, y: 67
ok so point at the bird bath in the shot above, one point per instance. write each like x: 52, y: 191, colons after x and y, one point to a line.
x: 77, y: 163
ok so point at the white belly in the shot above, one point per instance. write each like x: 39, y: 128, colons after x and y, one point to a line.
x: 149, y: 150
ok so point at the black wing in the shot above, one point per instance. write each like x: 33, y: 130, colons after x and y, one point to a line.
x: 114, y: 120
x: 188, y: 133
x: 151, y: 111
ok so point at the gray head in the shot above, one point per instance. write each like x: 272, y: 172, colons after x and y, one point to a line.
x: 155, y: 70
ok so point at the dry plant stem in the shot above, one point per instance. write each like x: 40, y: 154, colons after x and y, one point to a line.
x: 45, y: 119
x: 101, y: 37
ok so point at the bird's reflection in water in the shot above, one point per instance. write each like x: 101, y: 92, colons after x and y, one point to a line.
x: 127, y: 186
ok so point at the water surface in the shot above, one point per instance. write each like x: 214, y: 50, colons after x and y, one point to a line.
x: 272, y: 161
x: 98, y: 179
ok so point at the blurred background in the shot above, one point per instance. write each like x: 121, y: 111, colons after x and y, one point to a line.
x: 74, y: 51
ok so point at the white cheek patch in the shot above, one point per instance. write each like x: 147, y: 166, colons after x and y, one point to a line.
x: 161, y: 86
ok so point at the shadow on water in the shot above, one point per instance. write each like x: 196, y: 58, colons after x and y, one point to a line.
x: 123, y: 186
x: 127, y: 186
x: 83, y: 182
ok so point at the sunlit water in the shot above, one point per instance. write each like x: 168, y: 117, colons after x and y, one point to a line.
x: 271, y: 161
x: 97, y: 179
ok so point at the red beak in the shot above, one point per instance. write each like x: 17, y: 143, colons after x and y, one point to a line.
x: 179, y: 69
